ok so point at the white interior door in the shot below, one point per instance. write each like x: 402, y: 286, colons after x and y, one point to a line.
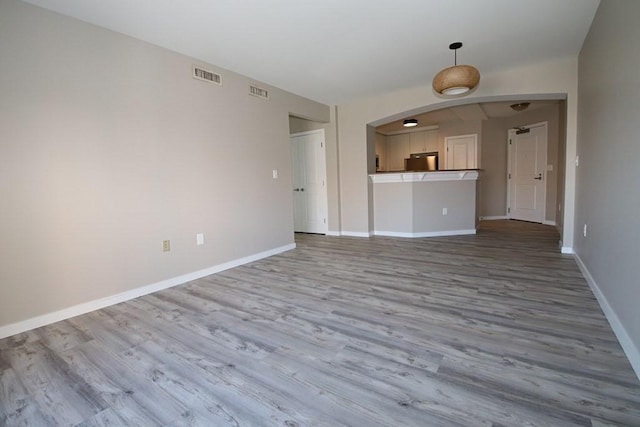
x: 527, y: 167
x: 309, y: 182
x: 461, y: 151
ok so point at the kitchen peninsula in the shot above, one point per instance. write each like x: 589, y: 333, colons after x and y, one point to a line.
x: 425, y: 204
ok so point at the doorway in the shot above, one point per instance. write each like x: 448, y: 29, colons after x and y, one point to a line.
x: 309, y: 182
x: 526, y: 198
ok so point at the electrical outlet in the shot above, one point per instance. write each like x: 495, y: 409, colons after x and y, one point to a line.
x: 166, y: 246
x: 200, y: 239
x: 577, y: 160
x: 275, y: 174
x: 445, y: 211
x: 584, y: 231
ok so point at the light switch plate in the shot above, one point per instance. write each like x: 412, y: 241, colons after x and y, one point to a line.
x: 200, y: 239
x: 275, y: 174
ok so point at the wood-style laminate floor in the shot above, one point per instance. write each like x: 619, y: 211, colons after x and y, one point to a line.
x: 495, y: 329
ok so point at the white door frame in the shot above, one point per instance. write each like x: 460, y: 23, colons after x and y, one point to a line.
x: 512, y: 133
x: 323, y: 194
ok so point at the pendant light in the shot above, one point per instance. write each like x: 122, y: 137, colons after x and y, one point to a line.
x: 458, y: 79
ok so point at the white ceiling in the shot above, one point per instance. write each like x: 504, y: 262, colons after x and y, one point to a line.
x: 334, y: 51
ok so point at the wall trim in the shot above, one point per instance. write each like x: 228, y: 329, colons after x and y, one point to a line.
x: 629, y: 348
x: 308, y: 132
x: 76, y: 310
x: 547, y: 222
x: 334, y: 233
x: 426, y: 233
x: 356, y: 234
x: 566, y: 250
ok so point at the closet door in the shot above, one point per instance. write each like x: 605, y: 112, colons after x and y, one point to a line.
x: 309, y: 183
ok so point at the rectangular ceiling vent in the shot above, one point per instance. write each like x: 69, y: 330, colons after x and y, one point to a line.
x: 200, y: 73
x: 259, y: 92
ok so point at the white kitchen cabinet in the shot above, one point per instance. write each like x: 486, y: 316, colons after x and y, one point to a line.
x: 424, y: 141
x: 431, y: 141
x: 398, y: 149
x: 395, y: 148
x: 417, y: 142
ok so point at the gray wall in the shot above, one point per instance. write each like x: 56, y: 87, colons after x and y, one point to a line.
x: 493, y: 184
x: 607, y: 183
x: 459, y: 197
x: 393, y: 207
x: 562, y: 156
x: 493, y: 180
x: 296, y: 125
x: 108, y: 146
x: 416, y: 207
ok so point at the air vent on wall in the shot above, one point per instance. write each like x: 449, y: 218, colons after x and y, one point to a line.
x: 259, y: 92
x: 206, y: 75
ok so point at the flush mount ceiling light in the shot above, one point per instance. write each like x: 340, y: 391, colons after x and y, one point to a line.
x: 458, y: 79
x: 409, y: 123
x: 521, y: 106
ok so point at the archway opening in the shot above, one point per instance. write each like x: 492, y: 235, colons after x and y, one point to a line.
x: 389, y: 143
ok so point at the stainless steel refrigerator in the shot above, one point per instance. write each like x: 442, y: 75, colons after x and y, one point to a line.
x: 422, y: 162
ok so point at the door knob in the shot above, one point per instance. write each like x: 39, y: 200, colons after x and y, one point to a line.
x: 539, y: 177
x: 302, y: 189
x: 296, y: 189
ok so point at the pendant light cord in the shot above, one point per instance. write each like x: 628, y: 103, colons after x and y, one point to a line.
x: 455, y: 46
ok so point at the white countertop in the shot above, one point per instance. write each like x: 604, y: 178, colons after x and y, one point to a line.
x: 423, y: 176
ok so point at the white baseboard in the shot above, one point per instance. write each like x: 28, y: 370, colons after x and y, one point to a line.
x: 334, y: 233
x: 426, y: 234
x: 630, y: 349
x: 355, y: 234
x: 499, y: 217
x: 76, y: 310
x: 566, y: 250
